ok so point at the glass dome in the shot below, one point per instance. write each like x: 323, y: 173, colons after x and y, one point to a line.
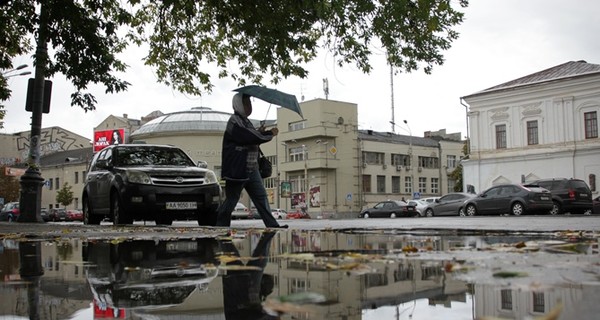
x: 196, y: 119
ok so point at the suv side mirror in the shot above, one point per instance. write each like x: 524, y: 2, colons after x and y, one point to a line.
x: 102, y: 164
x: 203, y: 164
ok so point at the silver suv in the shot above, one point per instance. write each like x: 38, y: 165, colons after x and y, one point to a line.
x: 130, y: 182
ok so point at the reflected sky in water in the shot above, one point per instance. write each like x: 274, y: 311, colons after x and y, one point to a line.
x: 294, y: 274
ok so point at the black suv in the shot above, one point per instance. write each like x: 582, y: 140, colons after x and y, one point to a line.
x: 130, y: 182
x: 568, y: 195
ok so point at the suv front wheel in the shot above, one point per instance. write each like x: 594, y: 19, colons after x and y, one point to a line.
x: 119, y: 215
x: 88, y: 216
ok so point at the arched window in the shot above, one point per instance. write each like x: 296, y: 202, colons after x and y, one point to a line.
x: 592, y: 182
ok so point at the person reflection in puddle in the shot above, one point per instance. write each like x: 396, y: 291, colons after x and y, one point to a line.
x: 245, y: 290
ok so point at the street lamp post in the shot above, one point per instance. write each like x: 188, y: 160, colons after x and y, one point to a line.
x: 305, y: 156
x: 30, y: 199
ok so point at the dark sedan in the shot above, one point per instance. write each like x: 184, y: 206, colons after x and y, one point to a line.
x: 510, y: 198
x: 452, y: 204
x: 390, y: 209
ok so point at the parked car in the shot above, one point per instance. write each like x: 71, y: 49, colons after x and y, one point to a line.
x: 298, y: 214
x: 128, y: 182
x: 451, y: 204
x: 10, y: 212
x: 430, y: 200
x: 74, y: 215
x: 510, y: 198
x: 279, y: 213
x: 596, y: 205
x: 420, y: 205
x: 45, y: 213
x: 389, y: 209
x: 569, y: 195
x: 241, y: 212
x: 58, y: 214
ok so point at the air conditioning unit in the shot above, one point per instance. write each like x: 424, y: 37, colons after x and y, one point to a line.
x: 385, y: 166
x: 399, y: 168
x: 420, y: 169
x: 364, y: 164
x: 407, y: 168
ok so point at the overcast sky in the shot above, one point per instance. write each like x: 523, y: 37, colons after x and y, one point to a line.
x: 500, y: 40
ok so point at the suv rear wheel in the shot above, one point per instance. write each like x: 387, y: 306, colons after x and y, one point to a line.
x: 556, y: 208
x: 119, y: 215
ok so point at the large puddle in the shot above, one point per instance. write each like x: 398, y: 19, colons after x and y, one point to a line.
x: 295, y: 274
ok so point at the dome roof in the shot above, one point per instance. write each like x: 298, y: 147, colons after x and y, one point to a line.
x: 196, y: 119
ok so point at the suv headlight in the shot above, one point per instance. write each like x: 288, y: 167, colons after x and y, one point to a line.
x: 210, y: 177
x: 138, y: 177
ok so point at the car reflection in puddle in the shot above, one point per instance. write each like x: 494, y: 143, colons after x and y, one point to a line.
x: 297, y: 274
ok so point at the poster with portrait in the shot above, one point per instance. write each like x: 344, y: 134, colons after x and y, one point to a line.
x: 271, y: 195
x: 104, y: 138
x: 298, y: 200
x: 286, y: 189
x: 315, y: 196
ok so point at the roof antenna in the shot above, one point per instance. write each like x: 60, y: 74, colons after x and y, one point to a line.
x: 326, y: 88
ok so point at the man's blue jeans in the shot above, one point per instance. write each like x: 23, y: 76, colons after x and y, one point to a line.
x: 256, y: 190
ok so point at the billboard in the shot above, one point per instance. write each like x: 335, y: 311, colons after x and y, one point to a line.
x: 105, y: 138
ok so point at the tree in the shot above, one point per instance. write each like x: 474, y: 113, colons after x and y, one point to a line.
x: 457, y: 173
x: 246, y: 40
x: 64, y: 196
x: 9, y: 186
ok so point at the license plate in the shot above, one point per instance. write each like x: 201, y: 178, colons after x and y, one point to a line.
x: 545, y: 198
x: 181, y: 205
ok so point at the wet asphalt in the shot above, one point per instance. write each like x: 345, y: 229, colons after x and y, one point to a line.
x: 186, y: 229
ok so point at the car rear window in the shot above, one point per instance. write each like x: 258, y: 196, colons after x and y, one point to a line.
x: 579, y: 185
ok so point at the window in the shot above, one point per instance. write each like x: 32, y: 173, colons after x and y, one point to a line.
x: 538, y: 302
x: 57, y: 183
x: 451, y: 185
x: 273, y: 160
x: 270, y: 183
x: 373, y: 157
x: 408, y: 185
x: 380, y: 184
x: 297, y: 154
x: 422, y: 184
x: 366, y: 182
x: 50, y: 186
x: 429, y: 162
x: 592, y: 182
x: 83, y: 176
x: 451, y: 161
x: 400, y: 160
x: 532, y: 132
x: 501, y: 136
x: 295, y: 126
x: 506, y: 299
x: 76, y: 177
x: 395, y: 184
x: 435, y: 185
x: 591, y: 124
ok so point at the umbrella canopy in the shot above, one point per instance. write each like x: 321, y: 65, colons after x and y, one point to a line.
x: 273, y: 96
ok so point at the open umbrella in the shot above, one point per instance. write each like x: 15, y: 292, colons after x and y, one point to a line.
x: 273, y: 96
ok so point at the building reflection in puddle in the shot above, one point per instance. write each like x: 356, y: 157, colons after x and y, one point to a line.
x: 311, y: 275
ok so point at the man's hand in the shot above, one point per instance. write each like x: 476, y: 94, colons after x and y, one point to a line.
x: 275, y: 131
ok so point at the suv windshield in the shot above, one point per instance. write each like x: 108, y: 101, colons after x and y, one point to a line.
x: 145, y: 156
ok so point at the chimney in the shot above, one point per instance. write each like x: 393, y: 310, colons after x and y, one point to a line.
x: 125, y: 115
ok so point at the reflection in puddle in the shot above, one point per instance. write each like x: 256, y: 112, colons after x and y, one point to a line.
x: 304, y: 275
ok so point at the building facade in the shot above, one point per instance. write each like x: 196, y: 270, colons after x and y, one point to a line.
x: 543, y: 125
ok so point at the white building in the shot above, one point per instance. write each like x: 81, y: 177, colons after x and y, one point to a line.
x: 543, y: 125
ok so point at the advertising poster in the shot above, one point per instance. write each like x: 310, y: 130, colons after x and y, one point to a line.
x: 315, y: 196
x: 105, y: 138
x: 298, y: 200
x: 286, y: 189
x: 271, y: 195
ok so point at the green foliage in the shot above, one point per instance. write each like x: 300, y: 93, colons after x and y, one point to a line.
x: 246, y: 40
x: 9, y: 186
x: 457, y: 173
x: 64, y: 196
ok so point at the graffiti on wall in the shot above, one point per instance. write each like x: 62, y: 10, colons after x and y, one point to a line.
x: 50, y: 140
